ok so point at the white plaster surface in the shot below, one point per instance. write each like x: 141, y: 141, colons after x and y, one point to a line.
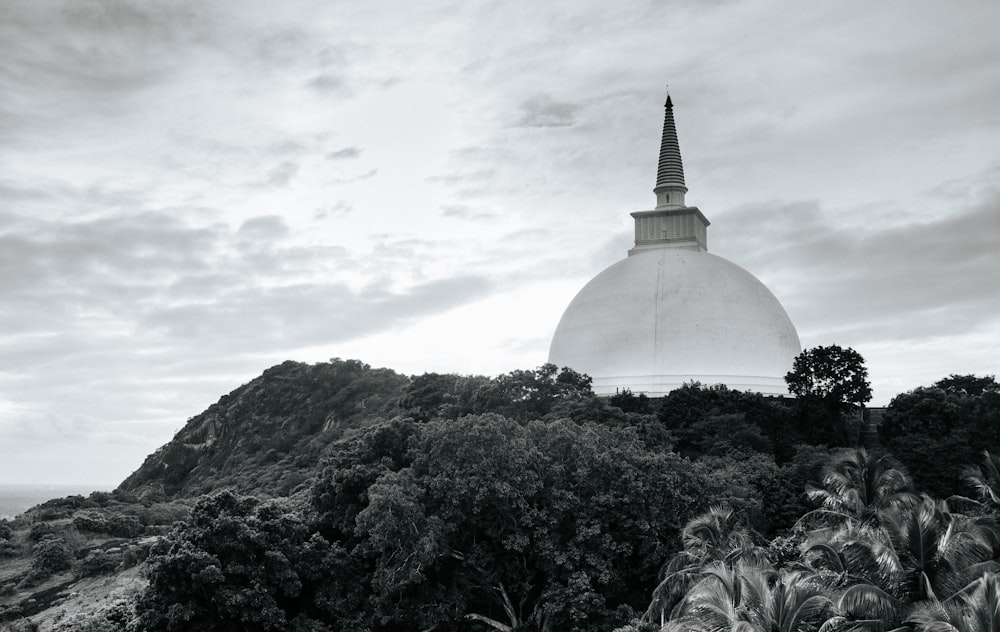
x: 663, y: 317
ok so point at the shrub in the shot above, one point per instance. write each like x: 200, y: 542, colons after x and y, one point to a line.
x: 165, y: 514
x: 39, y: 530
x: 98, y: 563
x: 21, y: 625
x: 74, y: 540
x: 101, y: 498
x: 90, y: 521
x: 58, y: 508
x: 135, y: 554
x: 124, y: 526
x: 116, y: 617
x: 34, y: 577
x: 51, y: 555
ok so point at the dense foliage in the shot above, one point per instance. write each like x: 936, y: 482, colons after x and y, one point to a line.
x: 938, y: 431
x: 874, y: 555
x: 521, y: 502
x: 525, y: 503
x: 515, y: 525
x: 269, y: 435
x: 240, y: 564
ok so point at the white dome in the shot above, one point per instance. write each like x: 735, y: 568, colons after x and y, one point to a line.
x: 666, y: 316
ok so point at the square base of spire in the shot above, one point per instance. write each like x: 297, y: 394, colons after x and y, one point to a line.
x: 675, y: 228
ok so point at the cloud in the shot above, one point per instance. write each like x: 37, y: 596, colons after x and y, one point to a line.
x: 283, y: 47
x: 113, y: 321
x: 190, y: 286
x: 463, y: 177
x: 470, y: 181
x: 264, y: 227
x: 542, y: 111
x: 463, y: 211
x: 874, y: 283
x: 346, y: 153
x: 371, y: 173
x: 81, y: 60
x: 340, y: 209
x: 286, y: 146
x: 282, y: 174
x: 285, y: 318
x: 330, y: 82
x: 39, y: 257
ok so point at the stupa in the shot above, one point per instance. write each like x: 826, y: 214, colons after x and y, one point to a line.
x: 670, y: 312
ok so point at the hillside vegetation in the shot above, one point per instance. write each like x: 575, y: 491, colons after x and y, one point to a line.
x: 269, y: 434
x: 336, y: 496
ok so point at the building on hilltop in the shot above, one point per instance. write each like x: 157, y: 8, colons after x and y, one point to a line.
x: 672, y: 313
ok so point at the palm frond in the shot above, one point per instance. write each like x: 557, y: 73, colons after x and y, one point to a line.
x: 866, y: 601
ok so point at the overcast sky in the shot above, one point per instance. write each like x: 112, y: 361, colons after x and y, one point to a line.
x: 193, y: 191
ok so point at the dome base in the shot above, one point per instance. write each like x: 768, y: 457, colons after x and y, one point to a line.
x: 661, y: 385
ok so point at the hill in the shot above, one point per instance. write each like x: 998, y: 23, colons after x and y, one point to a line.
x: 269, y: 435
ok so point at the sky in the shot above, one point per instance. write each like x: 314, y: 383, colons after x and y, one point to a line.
x: 192, y: 191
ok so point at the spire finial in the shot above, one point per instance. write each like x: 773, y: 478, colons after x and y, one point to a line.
x: 670, y: 188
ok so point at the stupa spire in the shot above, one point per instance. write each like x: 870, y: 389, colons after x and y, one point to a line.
x: 670, y: 188
x: 672, y: 224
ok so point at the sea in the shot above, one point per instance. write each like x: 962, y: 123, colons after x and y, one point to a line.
x: 15, y: 499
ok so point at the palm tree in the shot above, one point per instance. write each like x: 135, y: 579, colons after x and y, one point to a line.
x: 865, y: 570
x: 715, y: 536
x: 974, y: 609
x: 985, y: 479
x: 939, y: 552
x: 859, y: 486
x: 746, y: 597
x: 917, y: 552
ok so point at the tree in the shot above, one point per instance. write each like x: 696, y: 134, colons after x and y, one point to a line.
x: 937, y: 431
x: 706, y: 418
x: 751, y: 597
x: 243, y: 564
x: 436, y: 395
x: 540, y: 525
x: 525, y: 395
x: 939, y: 552
x: 630, y: 403
x: 931, y: 411
x: 976, y: 609
x: 724, y: 435
x: 919, y: 551
x: 357, y: 461
x: 831, y: 374
x: 830, y: 384
x: 931, y: 431
x: 985, y: 480
x: 971, y: 385
x: 861, y: 486
x: 715, y: 537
